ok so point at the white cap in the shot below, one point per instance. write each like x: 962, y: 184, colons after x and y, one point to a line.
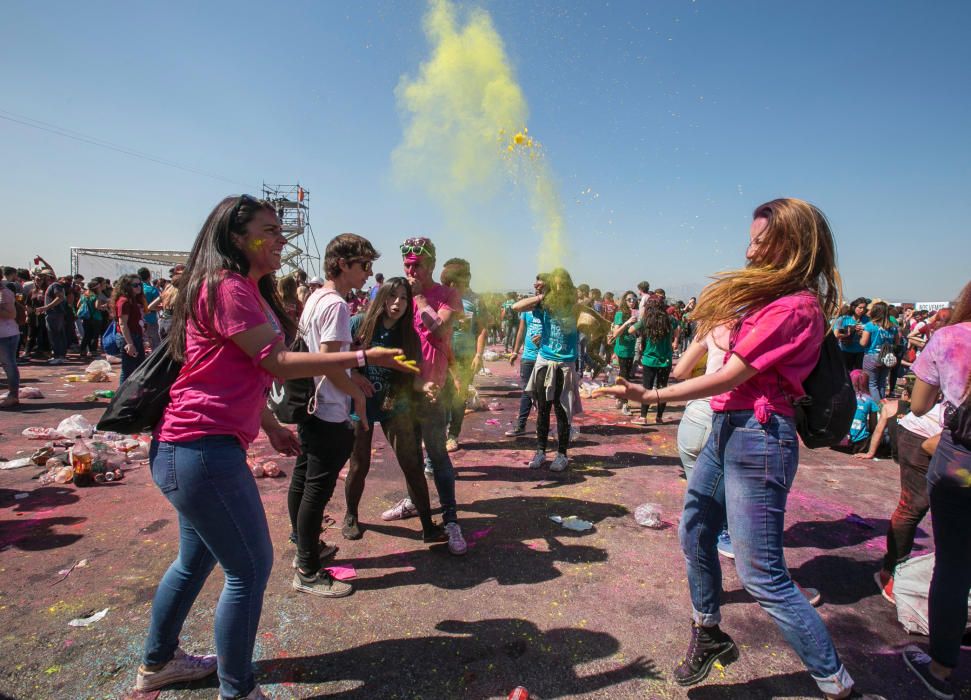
x: 316, y: 280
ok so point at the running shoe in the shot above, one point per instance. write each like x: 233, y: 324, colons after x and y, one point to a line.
x: 182, y: 668
x: 351, y: 529
x: 256, y: 694
x: 725, y: 545
x: 451, y: 445
x: 884, y: 582
x: 456, y: 543
x: 321, y: 584
x: 400, y: 510
x: 920, y: 663
x: 537, y: 461
x: 516, y: 432
x: 560, y: 463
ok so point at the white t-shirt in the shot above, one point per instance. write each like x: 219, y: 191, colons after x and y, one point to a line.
x: 925, y: 426
x: 8, y: 326
x: 327, y: 319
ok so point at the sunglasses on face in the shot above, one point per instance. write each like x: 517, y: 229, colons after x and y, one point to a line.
x: 366, y: 265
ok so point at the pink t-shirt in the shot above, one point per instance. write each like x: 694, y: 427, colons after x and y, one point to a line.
x: 436, y: 350
x: 946, y: 361
x: 221, y: 390
x: 782, y: 342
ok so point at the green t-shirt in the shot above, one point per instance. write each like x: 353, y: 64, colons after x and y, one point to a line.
x: 625, y: 342
x: 657, y: 354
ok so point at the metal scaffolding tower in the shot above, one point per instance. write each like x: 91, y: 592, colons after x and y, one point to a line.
x: 292, y: 204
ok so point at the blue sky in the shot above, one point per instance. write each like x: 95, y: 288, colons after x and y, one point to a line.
x: 681, y: 116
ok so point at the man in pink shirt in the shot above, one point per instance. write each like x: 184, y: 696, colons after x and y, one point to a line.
x: 435, y: 307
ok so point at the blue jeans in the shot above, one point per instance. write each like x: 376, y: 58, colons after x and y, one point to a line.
x: 57, y: 334
x: 221, y: 519
x: 526, y: 400
x: 745, y: 472
x: 432, y: 422
x: 8, y: 360
x: 128, y: 363
x: 877, y: 373
x: 950, y: 496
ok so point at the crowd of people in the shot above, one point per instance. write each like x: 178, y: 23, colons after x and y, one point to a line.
x: 336, y: 360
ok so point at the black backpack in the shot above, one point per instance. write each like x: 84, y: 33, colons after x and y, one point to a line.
x: 825, y: 413
x: 289, y: 399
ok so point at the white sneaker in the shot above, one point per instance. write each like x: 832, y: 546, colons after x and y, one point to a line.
x: 456, y: 543
x: 181, y: 668
x: 560, y: 463
x: 537, y: 461
x: 400, y: 510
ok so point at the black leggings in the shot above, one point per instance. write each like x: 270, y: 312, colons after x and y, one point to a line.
x: 543, y: 408
x: 655, y: 378
x: 626, y: 370
x: 325, y: 448
x: 90, y: 341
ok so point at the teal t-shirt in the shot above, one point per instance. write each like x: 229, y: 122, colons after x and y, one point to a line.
x: 560, y: 336
x: 534, y: 327
x: 466, y: 329
x: 879, y: 337
x: 626, y: 342
x: 852, y: 343
x: 860, y: 428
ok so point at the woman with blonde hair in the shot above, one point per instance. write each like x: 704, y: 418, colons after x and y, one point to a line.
x: 776, y: 309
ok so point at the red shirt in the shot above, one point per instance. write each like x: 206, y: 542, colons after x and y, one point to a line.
x: 126, y: 307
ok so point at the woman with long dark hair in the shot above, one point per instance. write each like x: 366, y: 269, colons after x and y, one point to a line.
x: 848, y: 328
x: 228, y: 331
x: 624, y: 342
x: 127, y: 304
x: 776, y: 308
x: 945, y: 366
x: 657, y: 330
x: 388, y: 323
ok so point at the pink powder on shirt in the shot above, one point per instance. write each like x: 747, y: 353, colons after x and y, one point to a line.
x: 781, y: 341
x: 436, y: 350
x: 946, y: 361
x: 221, y: 390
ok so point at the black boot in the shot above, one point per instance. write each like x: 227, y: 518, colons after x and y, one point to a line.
x: 708, y: 645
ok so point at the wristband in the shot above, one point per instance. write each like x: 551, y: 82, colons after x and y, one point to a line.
x: 361, y: 359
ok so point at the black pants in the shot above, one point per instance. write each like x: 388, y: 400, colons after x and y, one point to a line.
x: 852, y: 360
x: 403, y: 435
x: 655, y: 378
x: 89, y: 343
x: 325, y: 448
x: 913, y: 504
x: 626, y: 365
x: 543, y: 408
x: 526, y: 400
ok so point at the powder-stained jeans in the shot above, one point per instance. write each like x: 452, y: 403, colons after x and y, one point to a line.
x: 431, y: 418
x: 877, y: 372
x: 221, y: 518
x: 745, y: 471
x: 913, y: 503
x: 949, y: 487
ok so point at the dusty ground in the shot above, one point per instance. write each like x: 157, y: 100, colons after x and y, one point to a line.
x: 599, y: 614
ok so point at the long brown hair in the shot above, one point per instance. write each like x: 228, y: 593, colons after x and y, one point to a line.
x: 796, y: 253
x: 657, y: 325
x: 375, y: 313
x: 122, y: 288
x: 213, y: 254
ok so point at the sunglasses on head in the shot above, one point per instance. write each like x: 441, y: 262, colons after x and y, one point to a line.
x: 417, y: 246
